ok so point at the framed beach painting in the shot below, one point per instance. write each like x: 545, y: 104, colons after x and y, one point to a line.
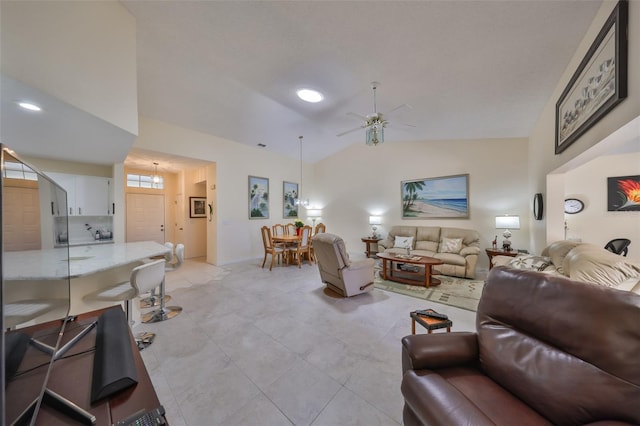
x: 623, y: 194
x: 289, y: 195
x: 436, y: 198
x: 258, y: 197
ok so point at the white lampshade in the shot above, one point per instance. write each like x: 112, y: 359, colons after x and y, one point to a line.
x: 507, y: 222
x: 375, y: 220
x: 314, y: 213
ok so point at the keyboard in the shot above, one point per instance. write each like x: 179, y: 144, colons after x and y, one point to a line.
x: 153, y: 417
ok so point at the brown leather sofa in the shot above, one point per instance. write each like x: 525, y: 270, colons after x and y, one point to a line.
x: 547, y: 350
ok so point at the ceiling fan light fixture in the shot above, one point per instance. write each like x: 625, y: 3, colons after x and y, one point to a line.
x: 310, y: 95
x: 375, y: 134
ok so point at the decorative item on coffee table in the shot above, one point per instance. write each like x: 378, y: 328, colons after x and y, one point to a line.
x: 430, y: 319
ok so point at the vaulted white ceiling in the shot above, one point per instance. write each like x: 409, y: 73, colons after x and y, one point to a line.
x: 470, y: 69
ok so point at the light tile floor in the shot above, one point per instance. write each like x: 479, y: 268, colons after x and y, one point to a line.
x: 254, y: 347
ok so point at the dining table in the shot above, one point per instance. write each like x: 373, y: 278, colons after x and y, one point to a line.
x: 287, y: 240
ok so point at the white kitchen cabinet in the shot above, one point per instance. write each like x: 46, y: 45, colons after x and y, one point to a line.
x: 86, y: 195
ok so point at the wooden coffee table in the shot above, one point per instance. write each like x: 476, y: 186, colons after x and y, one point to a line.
x: 391, y: 272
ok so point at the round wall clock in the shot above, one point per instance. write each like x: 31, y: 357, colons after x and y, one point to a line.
x: 573, y: 206
x: 538, y: 206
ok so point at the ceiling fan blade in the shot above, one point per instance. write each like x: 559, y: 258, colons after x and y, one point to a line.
x: 360, y: 116
x: 399, y: 108
x: 352, y: 130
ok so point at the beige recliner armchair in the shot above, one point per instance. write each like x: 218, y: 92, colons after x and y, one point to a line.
x: 337, y: 271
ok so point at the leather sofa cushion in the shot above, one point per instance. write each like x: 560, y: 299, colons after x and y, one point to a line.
x: 451, y: 258
x: 463, y: 395
x: 540, y: 354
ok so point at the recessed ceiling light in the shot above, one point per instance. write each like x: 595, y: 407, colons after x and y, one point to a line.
x: 310, y: 95
x: 29, y: 106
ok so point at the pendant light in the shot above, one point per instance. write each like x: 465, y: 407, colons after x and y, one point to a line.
x: 156, y: 176
x: 299, y: 201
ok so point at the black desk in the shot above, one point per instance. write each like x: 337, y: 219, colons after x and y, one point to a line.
x: 71, y: 377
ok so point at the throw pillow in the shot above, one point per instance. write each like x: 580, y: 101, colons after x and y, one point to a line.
x: 451, y: 245
x: 403, y: 242
x: 530, y: 262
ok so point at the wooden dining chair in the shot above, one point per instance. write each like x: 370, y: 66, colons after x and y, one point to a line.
x: 270, y: 248
x: 278, y: 230
x: 290, y: 229
x: 319, y: 229
x: 303, y: 246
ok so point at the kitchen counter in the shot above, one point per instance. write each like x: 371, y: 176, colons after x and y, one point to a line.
x: 85, y: 260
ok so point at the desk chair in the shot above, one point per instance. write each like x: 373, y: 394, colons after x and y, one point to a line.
x: 143, y: 278
x: 618, y: 246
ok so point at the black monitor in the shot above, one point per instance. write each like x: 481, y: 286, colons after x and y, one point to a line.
x: 35, y: 283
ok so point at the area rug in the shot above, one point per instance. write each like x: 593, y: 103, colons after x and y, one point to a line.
x: 458, y: 292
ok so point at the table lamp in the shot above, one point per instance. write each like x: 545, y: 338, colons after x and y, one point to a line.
x: 374, y: 221
x: 314, y: 214
x: 507, y: 222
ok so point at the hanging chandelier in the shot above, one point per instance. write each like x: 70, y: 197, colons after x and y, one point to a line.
x: 299, y: 201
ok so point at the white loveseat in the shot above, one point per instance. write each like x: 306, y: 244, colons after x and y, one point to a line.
x: 580, y: 262
x: 458, y: 248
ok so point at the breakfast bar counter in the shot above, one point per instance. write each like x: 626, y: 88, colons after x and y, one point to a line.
x: 90, y: 268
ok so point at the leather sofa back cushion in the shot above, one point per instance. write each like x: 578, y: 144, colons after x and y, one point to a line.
x: 427, y: 238
x: 544, y: 337
x: 557, y: 252
x: 469, y: 237
x: 593, y: 264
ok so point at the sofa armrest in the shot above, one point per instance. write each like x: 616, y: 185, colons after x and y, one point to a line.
x: 432, y: 351
x: 385, y: 244
x: 466, y: 251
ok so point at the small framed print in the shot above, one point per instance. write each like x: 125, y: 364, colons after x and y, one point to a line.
x: 197, y: 207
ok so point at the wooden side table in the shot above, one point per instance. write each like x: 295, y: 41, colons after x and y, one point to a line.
x: 429, y: 323
x: 491, y: 252
x: 368, y: 241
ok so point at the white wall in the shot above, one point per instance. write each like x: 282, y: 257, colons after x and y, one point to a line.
x: 542, y: 159
x: 363, y: 180
x: 589, y: 184
x: 88, y: 65
x: 237, y: 238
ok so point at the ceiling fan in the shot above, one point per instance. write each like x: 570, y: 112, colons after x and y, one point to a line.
x: 376, y: 122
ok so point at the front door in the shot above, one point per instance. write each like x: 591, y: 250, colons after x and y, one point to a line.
x: 145, y: 217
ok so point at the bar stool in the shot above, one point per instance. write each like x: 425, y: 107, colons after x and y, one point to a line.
x: 143, y: 278
x: 177, y: 260
x: 166, y: 312
x: 153, y: 300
